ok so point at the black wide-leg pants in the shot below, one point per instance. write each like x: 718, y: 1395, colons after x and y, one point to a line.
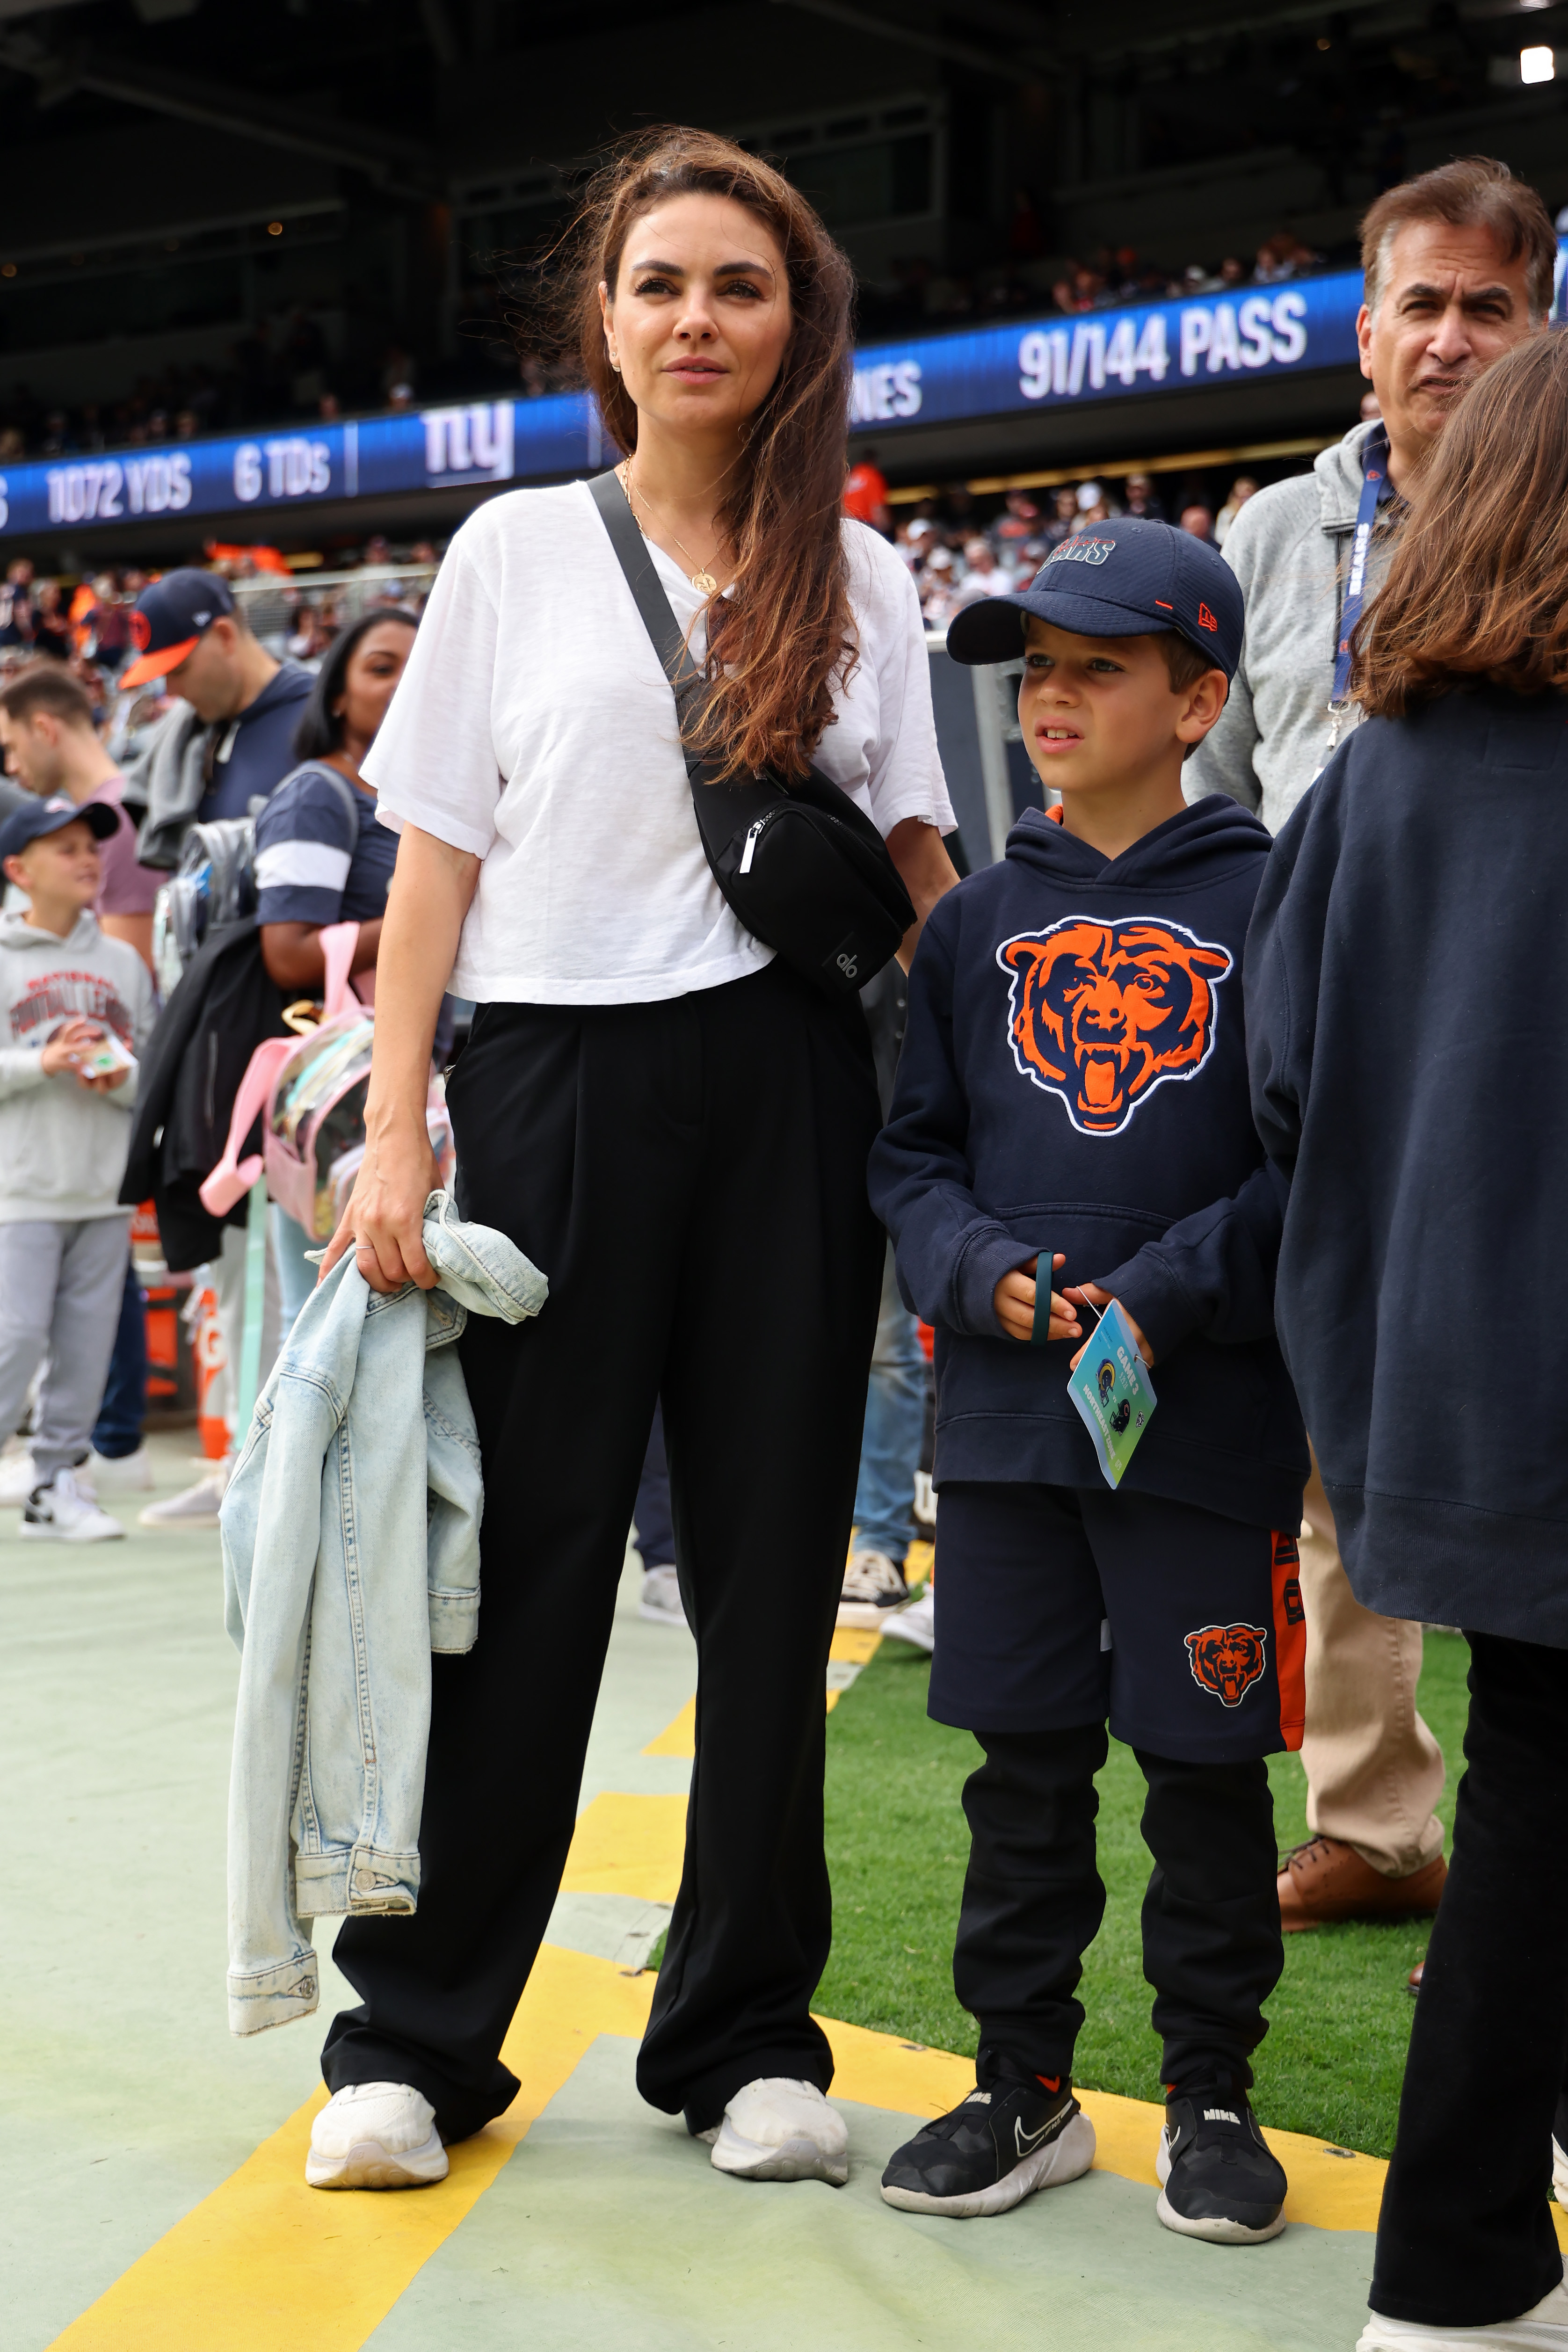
x: 690, y: 1176
x: 1465, y: 2238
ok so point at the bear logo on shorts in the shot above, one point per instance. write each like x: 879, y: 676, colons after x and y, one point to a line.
x: 1226, y: 1659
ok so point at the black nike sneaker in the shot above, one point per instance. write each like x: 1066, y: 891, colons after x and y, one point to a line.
x: 994, y: 2150
x: 1218, y: 2178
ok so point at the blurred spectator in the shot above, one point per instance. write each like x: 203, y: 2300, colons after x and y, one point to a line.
x: 1241, y: 489
x: 1064, y: 519
x: 108, y: 640
x: 17, y: 604
x: 1140, y: 499
x: 327, y: 408
x: 398, y: 374
x: 983, y: 575
x: 1197, y: 521
x: 866, y: 491
x: 1371, y: 407
x: 1093, y: 506
x: 1018, y: 520
x: 939, y: 599
x: 51, y: 624
x: 1025, y: 236
x: 312, y: 635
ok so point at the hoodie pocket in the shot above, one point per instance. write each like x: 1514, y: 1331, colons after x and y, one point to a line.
x: 1094, y: 1238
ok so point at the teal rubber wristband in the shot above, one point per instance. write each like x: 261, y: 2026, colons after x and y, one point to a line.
x: 1040, y: 1335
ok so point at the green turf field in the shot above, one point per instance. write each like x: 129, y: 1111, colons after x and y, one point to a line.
x: 896, y: 1842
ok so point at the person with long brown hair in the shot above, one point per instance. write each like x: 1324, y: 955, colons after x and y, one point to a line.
x: 1404, y: 975
x: 674, y: 1127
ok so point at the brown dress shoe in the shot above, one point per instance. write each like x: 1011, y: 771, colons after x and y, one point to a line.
x: 1326, y: 1880
x: 1412, y: 1981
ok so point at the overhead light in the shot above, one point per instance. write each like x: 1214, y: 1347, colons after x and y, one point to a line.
x: 7, y: 269
x: 1537, y: 65
x: 275, y: 228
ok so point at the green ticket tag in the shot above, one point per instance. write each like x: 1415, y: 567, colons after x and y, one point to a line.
x: 1112, y: 1392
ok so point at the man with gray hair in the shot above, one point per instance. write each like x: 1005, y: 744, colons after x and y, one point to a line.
x: 1458, y: 267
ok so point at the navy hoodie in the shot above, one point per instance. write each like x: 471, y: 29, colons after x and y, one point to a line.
x: 1405, y: 973
x: 1074, y: 1079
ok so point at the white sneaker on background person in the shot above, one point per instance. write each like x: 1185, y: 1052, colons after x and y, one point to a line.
x: 65, y: 1512
x: 118, y: 1473
x: 1542, y: 2328
x: 873, y: 1586
x: 661, y: 1603
x: 376, y: 2135
x: 917, y: 1624
x: 779, y: 2129
x: 17, y: 1478
x: 197, y: 1506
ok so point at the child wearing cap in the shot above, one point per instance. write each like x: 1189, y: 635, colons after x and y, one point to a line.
x: 77, y: 1008
x: 1072, y: 1112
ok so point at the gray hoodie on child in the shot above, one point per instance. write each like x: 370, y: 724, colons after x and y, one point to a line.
x: 63, y: 1145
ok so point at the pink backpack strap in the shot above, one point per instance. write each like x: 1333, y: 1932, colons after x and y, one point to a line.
x: 338, y: 942
x: 233, y: 1177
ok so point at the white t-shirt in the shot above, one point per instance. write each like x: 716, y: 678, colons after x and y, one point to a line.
x: 534, y: 726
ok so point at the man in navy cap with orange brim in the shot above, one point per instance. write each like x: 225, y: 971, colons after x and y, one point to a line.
x: 189, y: 632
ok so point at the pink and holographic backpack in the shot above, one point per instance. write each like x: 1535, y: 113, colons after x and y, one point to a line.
x: 311, y: 1091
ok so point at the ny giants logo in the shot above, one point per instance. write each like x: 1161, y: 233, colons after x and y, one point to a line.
x: 1226, y: 1659
x: 1102, y: 1012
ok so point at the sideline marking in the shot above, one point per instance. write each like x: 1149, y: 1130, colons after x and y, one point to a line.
x: 627, y: 1845
x: 679, y: 1738
x: 264, y: 2261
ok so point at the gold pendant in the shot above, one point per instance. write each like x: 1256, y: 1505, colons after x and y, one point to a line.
x: 705, y: 583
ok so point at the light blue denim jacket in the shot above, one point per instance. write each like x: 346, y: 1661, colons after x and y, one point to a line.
x: 351, y: 1550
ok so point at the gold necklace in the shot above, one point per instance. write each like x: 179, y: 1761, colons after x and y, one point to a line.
x: 702, y: 580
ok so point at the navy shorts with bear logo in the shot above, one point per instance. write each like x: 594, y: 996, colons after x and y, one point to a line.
x: 1060, y: 1606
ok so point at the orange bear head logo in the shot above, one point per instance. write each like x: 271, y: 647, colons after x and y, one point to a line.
x: 1226, y: 1659
x: 1099, y: 1013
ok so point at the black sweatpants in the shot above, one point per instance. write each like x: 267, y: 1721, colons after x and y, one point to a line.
x: 1033, y: 1902
x: 1466, y: 2237
x: 690, y: 1176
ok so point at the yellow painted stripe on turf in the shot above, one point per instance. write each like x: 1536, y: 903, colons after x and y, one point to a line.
x: 264, y: 2262
x: 679, y: 1738
x: 627, y: 1845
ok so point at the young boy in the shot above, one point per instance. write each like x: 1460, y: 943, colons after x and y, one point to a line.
x: 77, y: 1008
x: 1073, y: 1095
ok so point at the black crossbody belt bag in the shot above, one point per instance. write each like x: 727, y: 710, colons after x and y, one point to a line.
x: 803, y: 868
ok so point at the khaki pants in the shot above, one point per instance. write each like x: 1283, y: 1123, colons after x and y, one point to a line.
x: 1373, y: 1769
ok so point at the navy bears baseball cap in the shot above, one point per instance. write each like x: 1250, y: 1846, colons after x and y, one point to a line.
x: 26, y: 824
x: 1129, y: 578
x: 170, y: 617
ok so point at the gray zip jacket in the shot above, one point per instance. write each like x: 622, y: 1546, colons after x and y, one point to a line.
x: 1289, y: 547
x: 351, y: 1551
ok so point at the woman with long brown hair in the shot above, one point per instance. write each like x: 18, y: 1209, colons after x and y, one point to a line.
x: 1405, y: 974
x: 674, y: 1127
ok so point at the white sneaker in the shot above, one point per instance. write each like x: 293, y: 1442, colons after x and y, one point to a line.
x: 873, y: 1586
x: 661, y: 1603
x: 376, y: 2135
x: 925, y: 1499
x: 776, y: 2129
x: 18, y: 1479
x: 197, y: 1506
x: 119, y: 1473
x: 917, y: 1624
x: 63, y: 1511
x: 1544, y: 2329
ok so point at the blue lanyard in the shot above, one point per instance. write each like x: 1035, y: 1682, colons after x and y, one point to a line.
x: 1375, y: 487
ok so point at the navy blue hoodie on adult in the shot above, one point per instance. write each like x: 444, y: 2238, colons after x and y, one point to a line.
x: 1074, y: 1079
x: 1406, y: 973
